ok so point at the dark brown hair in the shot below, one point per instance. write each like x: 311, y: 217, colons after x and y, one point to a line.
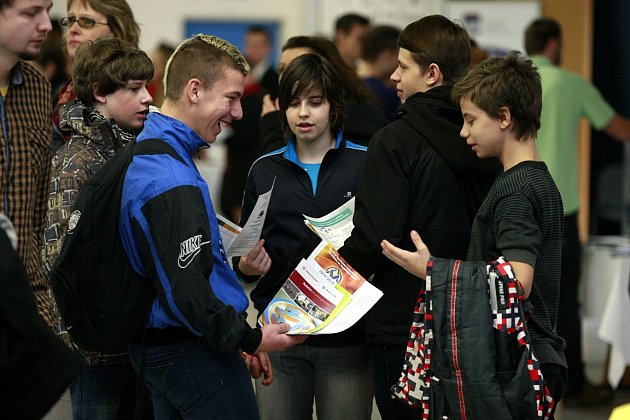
x: 5, y: 3
x: 353, y: 86
x: 539, y: 33
x: 510, y: 82
x: 306, y: 73
x: 436, y: 39
x: 110, y: 62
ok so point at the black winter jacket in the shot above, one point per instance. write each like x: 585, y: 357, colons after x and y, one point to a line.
x: 36, y: 367
x: 479, y: 371
x: 287, y: 239
x: 418, y: 174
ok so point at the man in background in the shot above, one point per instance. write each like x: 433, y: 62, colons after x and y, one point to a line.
x: 350, y: 29
x: 26, y: 135
x: 378, y: 62
x: 567, y: 98
x: 258, y: 47
x: 243, y: 145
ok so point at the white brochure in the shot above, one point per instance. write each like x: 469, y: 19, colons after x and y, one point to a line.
x: 336, y: 226
x: 239, y: 242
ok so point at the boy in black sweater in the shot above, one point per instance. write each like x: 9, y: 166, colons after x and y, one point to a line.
x: 521, y: 217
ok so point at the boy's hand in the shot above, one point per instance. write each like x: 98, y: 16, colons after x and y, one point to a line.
x: 413, y: 262
x: 275, y: 339
x: 256, y: 262
x: 259, y: 364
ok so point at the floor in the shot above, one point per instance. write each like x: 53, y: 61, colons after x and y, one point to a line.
x: 595, y: 352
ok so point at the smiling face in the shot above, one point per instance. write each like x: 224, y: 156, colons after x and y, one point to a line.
x: 309, y: 118
x: 128, y: 105
x: 408, y: 76
x: 481, y: 131
x: 23, y: 28
x: 218, y: 104
x: 77, y: 34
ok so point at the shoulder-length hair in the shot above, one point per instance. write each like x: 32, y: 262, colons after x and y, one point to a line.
x: 310, y: 72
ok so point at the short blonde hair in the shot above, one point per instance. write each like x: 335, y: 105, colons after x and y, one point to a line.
x: 202, y: 57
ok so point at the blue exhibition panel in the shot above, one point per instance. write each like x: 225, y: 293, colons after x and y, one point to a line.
x: 234, y: 31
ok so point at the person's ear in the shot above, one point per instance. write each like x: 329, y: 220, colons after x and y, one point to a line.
x: 505, y: 117
x: 98, y: 97
x: 193, y: 87
x: 435, y: 76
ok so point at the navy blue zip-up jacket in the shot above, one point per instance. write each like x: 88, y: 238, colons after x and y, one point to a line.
x: 287, y: 239
x: 170, y: 234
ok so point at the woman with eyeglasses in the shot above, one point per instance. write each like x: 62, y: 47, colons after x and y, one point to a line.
x: 88, y: 20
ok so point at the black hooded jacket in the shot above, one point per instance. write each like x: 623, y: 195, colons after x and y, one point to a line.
x: 419, y: 174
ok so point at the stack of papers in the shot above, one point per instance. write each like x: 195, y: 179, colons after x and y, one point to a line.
x: 323, y: 295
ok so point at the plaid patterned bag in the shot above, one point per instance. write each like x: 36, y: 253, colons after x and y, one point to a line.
x: 413, y: 387
x: 507, y: 316
x: 414, y: 383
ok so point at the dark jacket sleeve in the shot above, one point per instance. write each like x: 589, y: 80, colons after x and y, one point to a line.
x: 382, y: 203
x: 178, y: 256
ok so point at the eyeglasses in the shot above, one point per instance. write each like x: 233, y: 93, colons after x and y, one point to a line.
x: 83, y: 21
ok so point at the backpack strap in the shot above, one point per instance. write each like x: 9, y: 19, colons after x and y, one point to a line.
x: 155, y: 147
x: 148, y: 147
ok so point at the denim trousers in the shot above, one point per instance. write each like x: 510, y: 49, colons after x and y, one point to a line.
x: 104, y: 392
x: 190, y: 380
x: 337, y: 379
x: 388, y: 364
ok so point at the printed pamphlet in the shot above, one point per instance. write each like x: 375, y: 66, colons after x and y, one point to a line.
x: 323, y: 295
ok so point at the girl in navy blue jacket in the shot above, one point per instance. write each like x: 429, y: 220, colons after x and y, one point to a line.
x: 314, y: 174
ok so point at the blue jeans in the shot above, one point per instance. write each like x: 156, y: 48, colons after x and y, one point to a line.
x: 388, y: 365
x: 338, y: 379
x: 190, y: 380
x: 104, y: 392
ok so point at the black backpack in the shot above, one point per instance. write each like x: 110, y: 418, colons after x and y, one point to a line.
x: 102, y: 301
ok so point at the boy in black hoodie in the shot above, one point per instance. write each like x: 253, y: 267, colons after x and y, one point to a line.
x: 418, y: 175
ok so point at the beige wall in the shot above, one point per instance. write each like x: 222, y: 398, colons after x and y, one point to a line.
x: 576, y: 19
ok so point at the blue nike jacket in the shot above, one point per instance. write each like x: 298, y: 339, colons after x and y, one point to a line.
x: 170, y: 233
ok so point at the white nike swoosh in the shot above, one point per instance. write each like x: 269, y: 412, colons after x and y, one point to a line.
x: 188, y: 258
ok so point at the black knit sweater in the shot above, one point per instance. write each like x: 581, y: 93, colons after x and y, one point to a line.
x: 521, y: 219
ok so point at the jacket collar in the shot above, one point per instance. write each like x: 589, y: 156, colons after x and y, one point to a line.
x: 291, y: 153
x: 88, y: 125
x: 174, y: 132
